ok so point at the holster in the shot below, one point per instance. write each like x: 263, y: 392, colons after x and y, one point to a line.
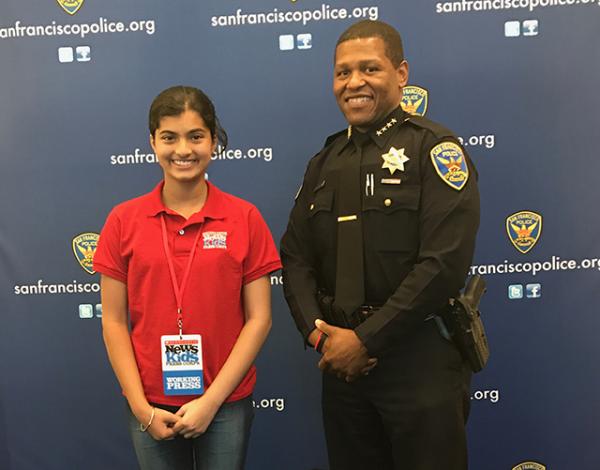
x: 463, y: 322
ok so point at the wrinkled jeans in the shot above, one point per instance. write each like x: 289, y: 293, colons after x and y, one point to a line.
x: 222, y: 447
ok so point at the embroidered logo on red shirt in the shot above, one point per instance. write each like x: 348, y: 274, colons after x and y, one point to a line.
x: 215, y: 240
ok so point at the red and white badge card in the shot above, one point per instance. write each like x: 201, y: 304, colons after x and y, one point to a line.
x: 182, y: 364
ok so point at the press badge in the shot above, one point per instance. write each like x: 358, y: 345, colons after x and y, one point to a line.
x: 182, y: 364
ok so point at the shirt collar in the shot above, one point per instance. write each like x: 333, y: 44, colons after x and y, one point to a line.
x: 384, y: 129
x: 213, y: 207
x: 381, y: 131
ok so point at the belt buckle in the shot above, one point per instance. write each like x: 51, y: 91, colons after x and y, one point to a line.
x: 364, y: 312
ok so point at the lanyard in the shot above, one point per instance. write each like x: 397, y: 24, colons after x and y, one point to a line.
x: 178, y: 289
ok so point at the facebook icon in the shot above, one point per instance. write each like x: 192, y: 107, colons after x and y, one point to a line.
x: 533, y: 291
x: 304, y: 41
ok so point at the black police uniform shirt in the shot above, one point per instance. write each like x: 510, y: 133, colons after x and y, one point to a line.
x: 418, y: 230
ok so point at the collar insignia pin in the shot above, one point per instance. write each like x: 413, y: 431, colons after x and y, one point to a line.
x: 388, y: 125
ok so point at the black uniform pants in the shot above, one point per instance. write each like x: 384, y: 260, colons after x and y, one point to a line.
x: 409, y: 413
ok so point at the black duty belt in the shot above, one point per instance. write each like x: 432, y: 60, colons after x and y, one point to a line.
x: 334, y: 315
x: 362, y: 313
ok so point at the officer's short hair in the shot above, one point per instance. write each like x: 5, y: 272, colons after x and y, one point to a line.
x: 372, y: 28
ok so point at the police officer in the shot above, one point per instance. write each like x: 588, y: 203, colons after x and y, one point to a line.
x: 381, y: 235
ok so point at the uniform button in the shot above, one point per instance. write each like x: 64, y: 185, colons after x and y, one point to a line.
x: 387, y: 202
x: 181, y: 232
x: 312, y: 206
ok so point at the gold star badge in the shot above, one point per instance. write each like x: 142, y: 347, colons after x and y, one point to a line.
x: 394, y: 160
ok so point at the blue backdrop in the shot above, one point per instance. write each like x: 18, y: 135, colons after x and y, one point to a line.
x: 517, y: 80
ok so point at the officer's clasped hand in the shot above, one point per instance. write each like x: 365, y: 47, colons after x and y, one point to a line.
x: 344, y: 355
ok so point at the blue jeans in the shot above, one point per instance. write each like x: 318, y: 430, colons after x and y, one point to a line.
x: 222, y: 447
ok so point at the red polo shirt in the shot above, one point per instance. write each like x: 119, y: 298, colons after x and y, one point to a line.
x: 234, y: 248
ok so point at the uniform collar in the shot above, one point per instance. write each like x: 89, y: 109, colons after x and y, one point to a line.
x: 381, y: 132
x: 213, y: 207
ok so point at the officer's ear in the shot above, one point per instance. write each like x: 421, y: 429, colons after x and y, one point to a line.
x: 402, y: 71
x: 152, y: 143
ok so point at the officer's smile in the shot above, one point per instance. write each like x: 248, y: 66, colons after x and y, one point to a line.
x: 366, y: 84
x: 359, y: 100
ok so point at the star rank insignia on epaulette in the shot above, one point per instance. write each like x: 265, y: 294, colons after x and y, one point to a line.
x: 394, y: 160
x: 450, y: 164
x: 387, y: 126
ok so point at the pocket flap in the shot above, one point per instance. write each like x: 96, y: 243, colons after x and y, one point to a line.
x: 323, y: 201
x: 391, y: 199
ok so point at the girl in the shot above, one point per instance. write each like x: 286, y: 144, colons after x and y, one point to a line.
x: 186, y: 298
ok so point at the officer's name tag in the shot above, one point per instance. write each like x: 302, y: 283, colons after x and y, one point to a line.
x: 182, y: 365
x: 391, y: 181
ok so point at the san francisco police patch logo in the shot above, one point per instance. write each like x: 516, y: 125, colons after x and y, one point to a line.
x: 524, y: 229
x: 84, y: 248
x: 450, y: 163
x: 414, y: 100
x: 70, y: 6
x: 529, y: 466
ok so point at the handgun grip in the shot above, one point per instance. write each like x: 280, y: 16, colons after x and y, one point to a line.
x: 474, y: 290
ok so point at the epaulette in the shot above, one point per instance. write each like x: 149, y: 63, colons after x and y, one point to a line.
x: 332, y: 137
x: 437, y: 129
x: 328, y: 141
x: 314, y: 160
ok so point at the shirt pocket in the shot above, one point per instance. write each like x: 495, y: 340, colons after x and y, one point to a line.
x: 322, y: 219
x: 391, y: 218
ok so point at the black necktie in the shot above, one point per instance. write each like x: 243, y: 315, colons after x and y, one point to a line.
x: 350, y: 279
